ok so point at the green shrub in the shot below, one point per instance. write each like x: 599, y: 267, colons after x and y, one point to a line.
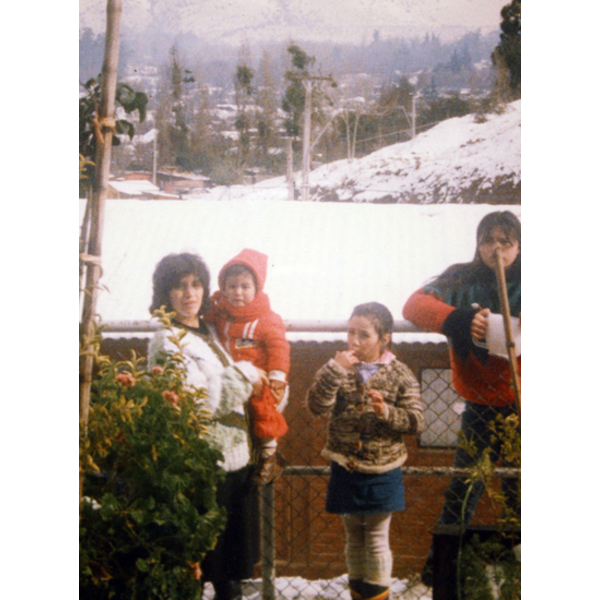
x: 148, y: 514
x: 489, y: 569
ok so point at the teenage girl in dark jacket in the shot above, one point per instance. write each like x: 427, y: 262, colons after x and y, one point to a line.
x: 457, y: 304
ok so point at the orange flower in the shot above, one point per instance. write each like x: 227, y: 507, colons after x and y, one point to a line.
x: 157, y: 370
x: 170, y: 397
x: 196, y: 572
x: 125, y: 379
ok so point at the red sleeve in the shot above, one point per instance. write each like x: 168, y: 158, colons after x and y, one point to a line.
x: 278, y: 348
x: 427, y: 311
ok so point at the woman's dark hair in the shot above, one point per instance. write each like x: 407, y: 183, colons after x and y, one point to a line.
x: 506, y: 221
x: 169, y: 272
x: 378, y: 314
x: 465, y: 273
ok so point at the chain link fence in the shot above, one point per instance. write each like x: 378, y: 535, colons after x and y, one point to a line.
x: 302, y: 545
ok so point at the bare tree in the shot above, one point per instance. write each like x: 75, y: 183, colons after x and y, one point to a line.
x: 266, y: 100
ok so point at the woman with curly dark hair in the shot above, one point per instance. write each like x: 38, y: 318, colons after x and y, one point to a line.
x: 181, y: 283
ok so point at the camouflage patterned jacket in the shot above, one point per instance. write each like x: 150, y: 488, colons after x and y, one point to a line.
x: 358, y: 438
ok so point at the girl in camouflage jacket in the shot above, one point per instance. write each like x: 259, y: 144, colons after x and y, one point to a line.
x: 372, y: 399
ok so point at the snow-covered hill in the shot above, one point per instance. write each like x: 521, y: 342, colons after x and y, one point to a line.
x: 460, y: 160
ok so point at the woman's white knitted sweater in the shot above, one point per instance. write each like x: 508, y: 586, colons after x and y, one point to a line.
x: 228, y: 386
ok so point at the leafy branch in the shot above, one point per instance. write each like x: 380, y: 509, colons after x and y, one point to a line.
x: 90, y: 128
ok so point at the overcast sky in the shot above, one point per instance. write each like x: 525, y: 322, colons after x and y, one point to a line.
x: 351, y: 20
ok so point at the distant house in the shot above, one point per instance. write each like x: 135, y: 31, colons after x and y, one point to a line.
x: 137, y: 175
x: 172, y: 181
x: 136, y: 188
x: 170, y: 184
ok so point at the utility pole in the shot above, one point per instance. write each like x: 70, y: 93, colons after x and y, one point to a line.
x: 307, y: 82
x: 154, y: 157
x: 306, y: 138
x: 413, y: 121
x: 290, y: 167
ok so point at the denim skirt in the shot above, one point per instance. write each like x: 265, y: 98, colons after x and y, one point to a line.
x: 350, y: 492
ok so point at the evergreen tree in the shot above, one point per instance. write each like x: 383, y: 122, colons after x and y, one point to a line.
x: 506, y: 57
x: 244, y: 92
x: 303, y: 79
x: 173, y: 115
x: 203, y: 140
x: 294, y: 96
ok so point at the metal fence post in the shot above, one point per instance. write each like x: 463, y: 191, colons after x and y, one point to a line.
x: 267, y: 517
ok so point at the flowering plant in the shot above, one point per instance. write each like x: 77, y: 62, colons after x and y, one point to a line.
x: 148, y: 513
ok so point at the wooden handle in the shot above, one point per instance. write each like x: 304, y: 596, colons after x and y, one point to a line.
x: 510, y: 342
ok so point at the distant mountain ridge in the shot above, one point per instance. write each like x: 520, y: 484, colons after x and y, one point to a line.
x: 335, y: 20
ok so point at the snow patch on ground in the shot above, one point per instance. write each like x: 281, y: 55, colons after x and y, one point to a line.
x: 297, y: 588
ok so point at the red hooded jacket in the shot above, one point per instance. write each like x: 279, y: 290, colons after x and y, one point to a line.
x: 253, y: 332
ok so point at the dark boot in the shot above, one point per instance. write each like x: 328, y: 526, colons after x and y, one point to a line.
x: 228, y: 590
x: 372, y: 591
x: 269, y: 469
x: 356, y: 589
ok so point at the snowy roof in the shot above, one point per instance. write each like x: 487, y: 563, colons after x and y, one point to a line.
x: 134, y: 187
x: 324, y: 258
x: 146, y: 138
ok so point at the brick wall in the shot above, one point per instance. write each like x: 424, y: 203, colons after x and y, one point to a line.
x: 310, y: 542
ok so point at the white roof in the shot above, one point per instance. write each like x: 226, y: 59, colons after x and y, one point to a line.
x: 324, y: 258
x: 137, y: 187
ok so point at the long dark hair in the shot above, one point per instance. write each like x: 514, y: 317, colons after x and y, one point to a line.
x: 378, y: 314
x: 476, y: 270
x: 169, y: 272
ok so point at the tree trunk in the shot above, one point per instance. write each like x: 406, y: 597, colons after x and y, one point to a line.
x: 105, y: 117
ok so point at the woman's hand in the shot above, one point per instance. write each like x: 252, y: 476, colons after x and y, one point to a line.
x: 479, y: 324
x: 263, y: 381
x: 346, y: 358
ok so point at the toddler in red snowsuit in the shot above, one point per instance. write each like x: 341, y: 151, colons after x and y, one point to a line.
x: 250, y: 330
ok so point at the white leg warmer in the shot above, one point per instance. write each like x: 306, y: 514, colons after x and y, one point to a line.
x: 355, y: 546
x: 368, y: 554
x: 379, y: 558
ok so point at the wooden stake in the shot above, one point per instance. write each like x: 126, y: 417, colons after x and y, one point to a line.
x: 105, y: 118
x: 510, y: 342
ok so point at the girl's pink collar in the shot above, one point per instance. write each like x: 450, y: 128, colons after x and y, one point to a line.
x: 386, y: 357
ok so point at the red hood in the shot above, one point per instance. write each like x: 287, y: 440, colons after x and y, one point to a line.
x: 253, y: 259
